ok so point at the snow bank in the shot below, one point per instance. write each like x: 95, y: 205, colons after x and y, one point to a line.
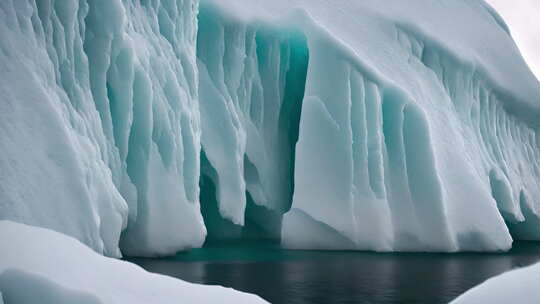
x: 40, y: 265
x: 516, y: 286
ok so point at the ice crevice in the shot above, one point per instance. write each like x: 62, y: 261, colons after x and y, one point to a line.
x: 252, y: 78
x: 156, y: 125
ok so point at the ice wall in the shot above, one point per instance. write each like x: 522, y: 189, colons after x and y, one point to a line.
x: 380, y: 125
x: 440, y: 165
x: 413, y: 135
x: 99, y: 122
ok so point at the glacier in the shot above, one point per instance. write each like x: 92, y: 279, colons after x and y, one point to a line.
x: 147, y: 127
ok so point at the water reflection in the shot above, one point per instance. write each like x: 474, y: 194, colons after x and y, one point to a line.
x: 342, y: 277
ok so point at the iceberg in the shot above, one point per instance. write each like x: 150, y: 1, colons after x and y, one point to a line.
x: 147, y: 127
x: 63, y: 270
x: 414, y: 133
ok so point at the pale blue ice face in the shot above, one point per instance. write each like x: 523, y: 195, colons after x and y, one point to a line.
x: 382, y: 126
x: 111, y: 145
x: 382, y: 152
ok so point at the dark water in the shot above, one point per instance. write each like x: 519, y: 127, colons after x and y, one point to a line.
x: 284, y: 276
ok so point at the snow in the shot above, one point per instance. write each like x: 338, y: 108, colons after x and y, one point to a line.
x: 40, y: 265
x: 515, y: 286
x: 402, y: 125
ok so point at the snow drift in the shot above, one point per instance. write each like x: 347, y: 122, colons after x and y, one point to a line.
x: 147, y: 126
x: 38, y: 265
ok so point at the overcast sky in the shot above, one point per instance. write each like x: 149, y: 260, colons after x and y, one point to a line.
x: 523, y: 19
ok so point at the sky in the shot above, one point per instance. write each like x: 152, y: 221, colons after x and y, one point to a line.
x: 523, y: 19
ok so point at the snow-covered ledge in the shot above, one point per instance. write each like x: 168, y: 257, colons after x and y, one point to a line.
x: 40, y: 265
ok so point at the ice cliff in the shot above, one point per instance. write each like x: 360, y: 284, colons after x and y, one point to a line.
x: 99, y: 121
x: 148, y: 126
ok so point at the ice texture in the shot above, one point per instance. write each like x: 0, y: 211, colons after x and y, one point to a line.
x: 251, y: 89
x: 417, y: 131
x: 148, y: 126
x: 99, y: 122
x: 63, y: 270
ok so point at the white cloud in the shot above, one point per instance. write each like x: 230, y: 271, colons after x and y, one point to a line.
x: 523, y: 19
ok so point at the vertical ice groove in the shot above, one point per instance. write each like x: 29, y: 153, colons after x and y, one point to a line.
x: 401, y: 206
x: 371, y: 212
x: 424, y: 182
x: 374, y: 123
x: 359, y: 134
x: 502, y: 193
x: 353, y: 160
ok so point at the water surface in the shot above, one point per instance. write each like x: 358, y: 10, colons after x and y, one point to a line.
x: 294, y: 277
